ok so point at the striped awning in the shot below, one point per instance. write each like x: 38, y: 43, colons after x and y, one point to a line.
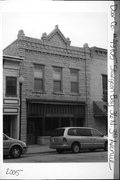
x: 99, y: 108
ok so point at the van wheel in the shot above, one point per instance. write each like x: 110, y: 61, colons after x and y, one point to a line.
x: 15, y: 152
x: 60, y: 150
x: 75, y: 147
x: 106, y: 146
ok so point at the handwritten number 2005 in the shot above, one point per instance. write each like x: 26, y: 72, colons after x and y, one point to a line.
x: 13, y: 172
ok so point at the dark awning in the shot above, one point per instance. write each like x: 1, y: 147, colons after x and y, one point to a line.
x: 99, y: 108
x: 55, y: 109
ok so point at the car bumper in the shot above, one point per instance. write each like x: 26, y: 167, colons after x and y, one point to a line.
x: 62, y: 146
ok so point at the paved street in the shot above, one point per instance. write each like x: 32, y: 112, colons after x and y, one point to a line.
x: 44, y: 154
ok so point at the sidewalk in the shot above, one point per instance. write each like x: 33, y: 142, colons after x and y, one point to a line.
x: 32, y: 149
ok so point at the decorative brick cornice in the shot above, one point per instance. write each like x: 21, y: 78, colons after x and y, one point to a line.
x: 95, y: 51
x: 35, y: 45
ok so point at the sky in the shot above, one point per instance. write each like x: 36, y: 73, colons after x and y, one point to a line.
x: 82, y: 25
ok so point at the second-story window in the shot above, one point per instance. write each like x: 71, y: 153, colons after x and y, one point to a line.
x: 57, y: 79
x: 74, y: 80
x: 104, y: 84
x: 11, y: 86
x: 38, y: 78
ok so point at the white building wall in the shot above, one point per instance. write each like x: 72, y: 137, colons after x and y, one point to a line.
x: 11, y: 105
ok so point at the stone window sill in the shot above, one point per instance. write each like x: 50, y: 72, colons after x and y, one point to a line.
x: 58, y: 93
x: 75, y: 94
x: 38, y: 92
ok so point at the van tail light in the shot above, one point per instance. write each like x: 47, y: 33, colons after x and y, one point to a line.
x: 64, y: 140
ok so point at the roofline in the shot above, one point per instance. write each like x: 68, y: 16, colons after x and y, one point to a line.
x: 12, y: 58
x: 98, y: 48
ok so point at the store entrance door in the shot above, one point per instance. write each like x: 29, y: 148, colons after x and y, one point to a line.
x: 34, y: 129
x: 6, y: 124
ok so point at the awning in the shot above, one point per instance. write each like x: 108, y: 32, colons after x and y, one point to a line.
x: 99, y: 108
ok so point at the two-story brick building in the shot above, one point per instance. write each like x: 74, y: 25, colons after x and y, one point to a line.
x: 57, y: 89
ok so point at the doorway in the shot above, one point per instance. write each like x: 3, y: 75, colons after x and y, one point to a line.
x: 7, y: 124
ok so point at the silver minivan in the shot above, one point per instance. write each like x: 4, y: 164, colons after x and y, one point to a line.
x: 76, y: 138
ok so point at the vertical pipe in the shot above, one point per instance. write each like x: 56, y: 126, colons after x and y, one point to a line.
x: 86, y: 115
x: 20, y: 93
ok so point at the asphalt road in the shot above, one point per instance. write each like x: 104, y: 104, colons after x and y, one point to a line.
x: 53, y: 156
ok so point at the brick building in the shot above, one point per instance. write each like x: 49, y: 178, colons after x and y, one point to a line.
x: 58, y: 88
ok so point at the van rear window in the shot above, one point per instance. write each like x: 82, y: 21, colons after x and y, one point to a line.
x: 58, y: 132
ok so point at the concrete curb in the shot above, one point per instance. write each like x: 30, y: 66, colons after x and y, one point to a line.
x: 33, y: 149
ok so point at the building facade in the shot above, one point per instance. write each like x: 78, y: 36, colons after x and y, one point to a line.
x: 98, y: 89
x: 58, y: 84
x: 11, y: 101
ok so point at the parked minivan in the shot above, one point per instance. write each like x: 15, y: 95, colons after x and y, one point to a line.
x: 76, y: 138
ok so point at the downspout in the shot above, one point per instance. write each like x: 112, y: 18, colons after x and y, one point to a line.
x: 86, y: 90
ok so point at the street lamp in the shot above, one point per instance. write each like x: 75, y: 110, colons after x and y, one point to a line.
x: 21, y: 80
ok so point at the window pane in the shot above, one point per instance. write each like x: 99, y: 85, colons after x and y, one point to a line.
x: 104, y: 82
x: 56, y: 76
x: 38, y: 66
x: 72, y: 132
x: 58, y: 132
x: 84, y: 132
x: 38, y: 71
x: 38, y: 84
x: 11, y: 86
x: 74, y: 80
x: 38, y: 77
x: 104, y: 79
x: 57, y: 73
x: 74, y: 75
x: 57, y: 86
x: 38, y: 74
x: 95, y: 133
x: 74, y: 87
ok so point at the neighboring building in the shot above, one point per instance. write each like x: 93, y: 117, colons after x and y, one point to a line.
x: 58, y: 80
x: 11, y: 103
x: 98, y: 88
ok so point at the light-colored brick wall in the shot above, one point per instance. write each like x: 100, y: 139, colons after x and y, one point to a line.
x: 90, y: 69
x: 49, y: 62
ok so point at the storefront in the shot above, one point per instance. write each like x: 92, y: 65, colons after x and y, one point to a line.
x: 11, y: 118
x: 100, y: 116
x: 43, y: 117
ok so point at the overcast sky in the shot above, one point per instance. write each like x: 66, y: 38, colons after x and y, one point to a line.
x: 82, y: 25
x: 81, y: 28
